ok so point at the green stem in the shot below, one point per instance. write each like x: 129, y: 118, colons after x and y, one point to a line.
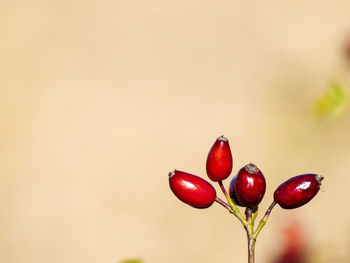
x: 263, y: 220
x: 255, y: 213
x: 234, y: 209
x: 228, y: 197
x: 248, y: 222
x: 251, y: 239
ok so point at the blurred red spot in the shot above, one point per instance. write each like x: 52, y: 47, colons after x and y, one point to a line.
x: 294, y: 249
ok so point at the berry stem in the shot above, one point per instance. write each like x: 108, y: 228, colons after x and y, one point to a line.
x: 255, y: 213
x: 234, y: 209
x: 228, y: 197
x: 248, y: 213
x: 223, y: 203
x: 263, y: 220
x: 251, y: 249
x: 250, y: 230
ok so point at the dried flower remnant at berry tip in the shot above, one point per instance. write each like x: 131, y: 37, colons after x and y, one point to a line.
x: 251, y: 168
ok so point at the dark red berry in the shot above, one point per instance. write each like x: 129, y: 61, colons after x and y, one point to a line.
x: 232, y: 191
x: 191, y: 189
x: 297, y: 191
x: 219, y: 160
x: 250, y: 186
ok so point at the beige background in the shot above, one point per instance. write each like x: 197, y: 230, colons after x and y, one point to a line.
x: 101, y: 99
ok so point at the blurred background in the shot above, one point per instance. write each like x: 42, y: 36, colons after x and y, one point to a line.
x: 101, y: 99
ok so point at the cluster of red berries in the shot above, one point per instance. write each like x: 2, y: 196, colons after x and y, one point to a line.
x: 246, y: 189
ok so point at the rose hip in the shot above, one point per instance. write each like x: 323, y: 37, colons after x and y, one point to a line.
x: 191, y: 189
x: 219, y: 160
x: 250, y: 186
x: 297, y: 191
x: 232, y: 191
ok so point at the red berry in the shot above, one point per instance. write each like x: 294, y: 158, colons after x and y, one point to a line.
x: 219, y: 160
x: 232, y: 191
x: 250, y: 186
x: 191, y: 189
x: 298, y: 190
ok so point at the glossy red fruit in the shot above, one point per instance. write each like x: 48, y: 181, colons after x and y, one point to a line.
x: 232, y: 191
x: 297, y: 191
x: 219, y: 160
x: 191, y: 189
x: 250, y: 186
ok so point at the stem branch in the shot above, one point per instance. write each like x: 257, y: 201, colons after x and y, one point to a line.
x: 228, y: 197
x: 255, y: 213
x: 263, y: 220
x: 234, y: 209
x: 223, y: 203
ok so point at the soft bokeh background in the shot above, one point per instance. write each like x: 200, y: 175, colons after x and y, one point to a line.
x: 101, y: 99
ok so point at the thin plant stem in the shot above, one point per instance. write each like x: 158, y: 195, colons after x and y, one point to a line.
x: 248, y: 221
x: 249, y: 230
x: 223, y: 203
x: 234, y: 209
x: 251, y: 249
x: 263, y: 220
x: 248, y: 213
x: 255, y: 213
x: 228, y: 197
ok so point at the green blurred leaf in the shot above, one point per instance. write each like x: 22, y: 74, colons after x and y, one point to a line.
x: 333, y: 102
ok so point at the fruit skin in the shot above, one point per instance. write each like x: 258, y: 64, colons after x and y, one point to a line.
x: 232, y: 191
x: 219, y: 160
x: 250, y: 186
x: 191, y: 189
x: 297, y: 191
